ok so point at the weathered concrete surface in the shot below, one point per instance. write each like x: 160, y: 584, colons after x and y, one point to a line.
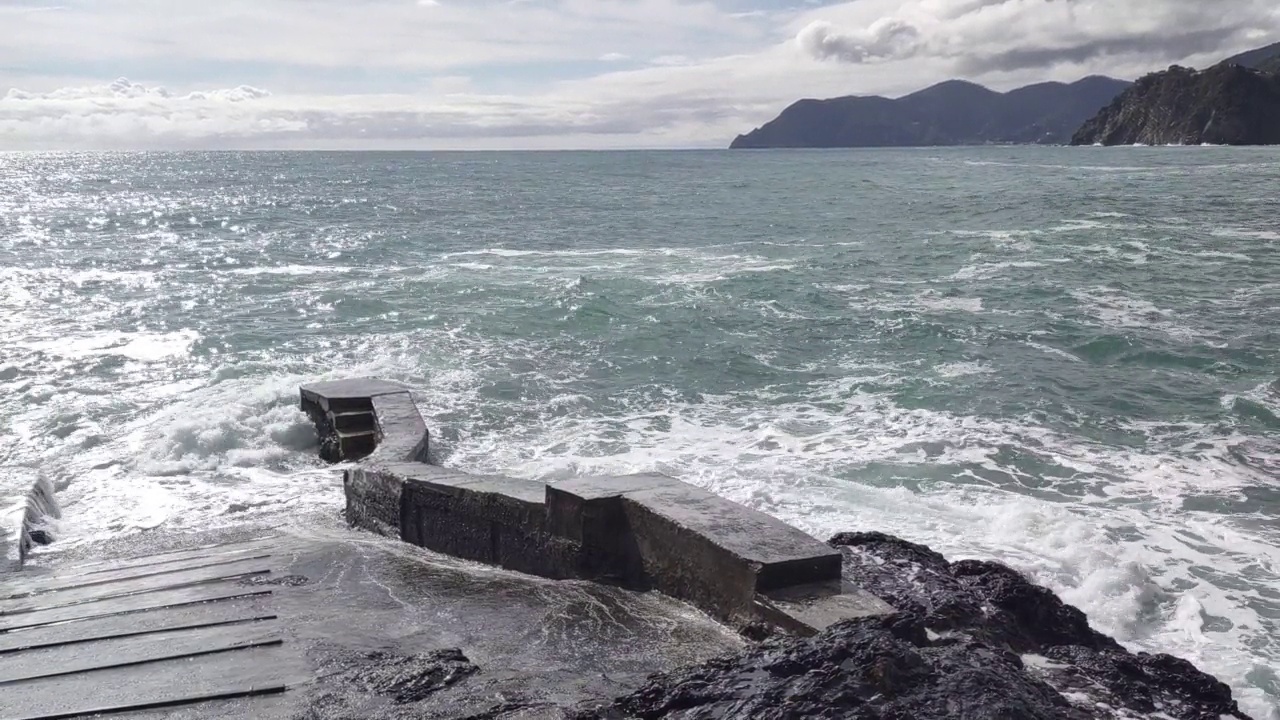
x: 326, y: 623
x: 717, y: 554
x: 640, y: 531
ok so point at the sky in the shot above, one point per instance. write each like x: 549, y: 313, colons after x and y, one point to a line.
x: 544, y: 74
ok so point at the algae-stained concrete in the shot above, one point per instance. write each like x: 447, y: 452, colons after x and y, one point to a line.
x: 646, y: 531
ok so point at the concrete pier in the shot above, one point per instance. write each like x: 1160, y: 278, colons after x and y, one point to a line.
x: 638, y: 531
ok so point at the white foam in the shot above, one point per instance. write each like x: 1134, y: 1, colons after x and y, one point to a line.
x: 802, y: 461
x: 1246, y: 234
x: 290, y: 270
x: 141, y: 346
x: 989, y: 270
x: 962, y: 369
x: 1120, y: 310
x: 931, y: 300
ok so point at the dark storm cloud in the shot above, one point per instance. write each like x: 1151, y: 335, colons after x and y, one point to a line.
x: 1154, y: 47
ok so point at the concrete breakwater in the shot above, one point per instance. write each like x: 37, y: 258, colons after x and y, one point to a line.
x: 642, y: 532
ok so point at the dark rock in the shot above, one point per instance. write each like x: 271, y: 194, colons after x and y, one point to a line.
x: 1228, y: 104
x: 951, y: 113
x: 406, y: 679
x: 1147, y: 683
x: 867, y: 668
x: 41, y: 511
x: 972, y: 640
x: 1032, y: 616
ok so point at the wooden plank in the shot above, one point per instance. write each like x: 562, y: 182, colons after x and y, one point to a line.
x: 181, y: 597
x: 107, y: 577
x: 266, y: 543
x: 136, y: 650
x: 174, y: 682
x: 252, y: 692
x: 38, y: 638
x: 124, y: 587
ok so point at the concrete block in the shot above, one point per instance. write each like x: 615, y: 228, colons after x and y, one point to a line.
x: 808, y: 609
x: 588, y: 510
x: 491, y: 519
x: 373, y: 500
x: 718, y: 554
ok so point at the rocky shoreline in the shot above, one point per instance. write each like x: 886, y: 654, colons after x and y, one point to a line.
x: 973, y: 640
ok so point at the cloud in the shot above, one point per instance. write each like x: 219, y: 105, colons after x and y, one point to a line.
x: 1163, y: 45
x: 124, y: 115
x: 886, y: 38
x: 123, y: 89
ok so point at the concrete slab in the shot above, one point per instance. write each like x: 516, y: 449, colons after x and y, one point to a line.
x: 782, y: 555
x: 373, y: 499
x: 491, y: 519
x: 403, y: 435
x: 592, y: 487
x: 325, y: 393
x: 717, y: 554
x: 808, y: 609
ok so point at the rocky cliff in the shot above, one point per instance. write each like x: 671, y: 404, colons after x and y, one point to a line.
x: 951, y: 113
x: 1227, y: 104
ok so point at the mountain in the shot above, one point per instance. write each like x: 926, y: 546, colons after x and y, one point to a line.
x: 1266, y: 58
x: 1236, y: 102
x: 950, y: 113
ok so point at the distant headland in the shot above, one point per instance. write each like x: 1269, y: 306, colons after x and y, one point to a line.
x: 1236, y: 102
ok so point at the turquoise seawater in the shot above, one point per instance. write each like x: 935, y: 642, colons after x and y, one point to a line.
x: 1064, y: 359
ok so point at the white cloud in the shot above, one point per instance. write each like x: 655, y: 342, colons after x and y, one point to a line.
x: 884, y: 39
x: 123, y: 89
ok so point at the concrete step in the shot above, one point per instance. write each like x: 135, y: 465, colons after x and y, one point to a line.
x: 356, y: 421
x: 356, y: 444
x: 811, y: 608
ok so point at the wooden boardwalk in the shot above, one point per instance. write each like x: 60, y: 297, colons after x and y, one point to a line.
x: 150, y: 633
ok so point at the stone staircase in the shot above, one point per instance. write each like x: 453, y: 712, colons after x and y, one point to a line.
x: 347, y: 418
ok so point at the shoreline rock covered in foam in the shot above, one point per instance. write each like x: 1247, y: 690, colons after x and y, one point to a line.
x: 972, y: 639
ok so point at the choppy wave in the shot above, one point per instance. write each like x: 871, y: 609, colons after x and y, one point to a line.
x: 1073, y: 372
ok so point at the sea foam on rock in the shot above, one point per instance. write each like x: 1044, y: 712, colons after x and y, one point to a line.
x: 972, y: 640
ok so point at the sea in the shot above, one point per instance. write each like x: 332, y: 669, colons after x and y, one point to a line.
x: 1064, y: 359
